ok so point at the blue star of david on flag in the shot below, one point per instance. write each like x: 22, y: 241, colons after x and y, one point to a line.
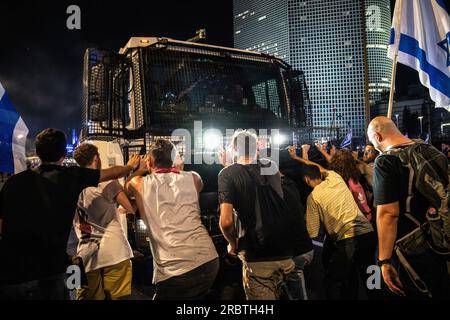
x: 445, y: 44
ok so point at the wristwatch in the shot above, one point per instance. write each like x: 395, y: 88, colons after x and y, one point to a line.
x: 384, y: 261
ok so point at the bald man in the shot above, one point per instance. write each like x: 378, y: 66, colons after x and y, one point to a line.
x: 390, y: 184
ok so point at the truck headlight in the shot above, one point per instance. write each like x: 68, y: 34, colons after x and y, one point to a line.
x: 212, y: 139
x: 279, y: 139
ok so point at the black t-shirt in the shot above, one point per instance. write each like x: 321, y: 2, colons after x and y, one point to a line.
x: 37, y: 209
x: 303, y: 243
x: 390, y: 184
x: 235, y: 186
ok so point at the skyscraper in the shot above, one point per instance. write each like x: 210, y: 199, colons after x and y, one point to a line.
x: 378, y: 25
x: 330, y: 41
x: 262, y: 25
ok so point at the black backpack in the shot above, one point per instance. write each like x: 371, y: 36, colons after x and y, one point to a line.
x: 273, y: 232
x: 428, y: 173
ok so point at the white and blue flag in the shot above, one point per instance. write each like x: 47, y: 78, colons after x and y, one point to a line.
x: 420, y: 35
x: 347, y: 142
x: 13, y: 136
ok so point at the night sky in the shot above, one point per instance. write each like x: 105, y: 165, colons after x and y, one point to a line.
x: 41, y: 60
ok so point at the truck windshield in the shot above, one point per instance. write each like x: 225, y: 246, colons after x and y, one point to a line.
x: 217, y: 89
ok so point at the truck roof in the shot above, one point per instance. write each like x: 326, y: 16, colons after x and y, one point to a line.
x: 136, y: 42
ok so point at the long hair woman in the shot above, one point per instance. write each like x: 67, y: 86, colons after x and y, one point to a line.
x: 345, y: 164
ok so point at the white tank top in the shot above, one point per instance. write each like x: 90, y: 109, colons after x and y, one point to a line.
x: 179, y: 241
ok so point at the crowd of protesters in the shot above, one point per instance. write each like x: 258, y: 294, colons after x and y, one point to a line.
x: 52, y: 212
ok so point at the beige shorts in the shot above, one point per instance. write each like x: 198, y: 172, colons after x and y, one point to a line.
x: 108, y: 283
x: 264, y: 280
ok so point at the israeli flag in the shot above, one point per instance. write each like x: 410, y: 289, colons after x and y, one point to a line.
x: 347, y: 140
x: 13, y: 136
x: 420, y: 35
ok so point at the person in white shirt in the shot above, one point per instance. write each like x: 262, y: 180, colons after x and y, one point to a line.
x: 102, y: 243
x: 184, y: 257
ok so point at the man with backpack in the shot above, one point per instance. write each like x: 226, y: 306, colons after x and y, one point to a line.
x: 265, y: 244
x: 411, y: 194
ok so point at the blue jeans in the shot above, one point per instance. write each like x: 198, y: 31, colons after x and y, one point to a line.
x: 296, y: 286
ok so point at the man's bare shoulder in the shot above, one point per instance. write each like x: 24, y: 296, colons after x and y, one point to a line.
x: 196, y: 175
x: 135, y: 183
x: 198, y: 182
x: 137, y: 179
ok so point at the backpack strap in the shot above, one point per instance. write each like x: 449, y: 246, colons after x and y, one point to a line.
x: 44, y: 195
x: 397, y: 152
x: 410, y: 196
x: 416, y: 280
x: 256, y: 180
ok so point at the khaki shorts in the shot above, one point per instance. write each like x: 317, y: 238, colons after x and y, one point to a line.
x: 264, y: 280
x: 108, y: 283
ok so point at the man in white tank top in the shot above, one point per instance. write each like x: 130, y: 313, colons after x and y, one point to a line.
x: 184, y: 257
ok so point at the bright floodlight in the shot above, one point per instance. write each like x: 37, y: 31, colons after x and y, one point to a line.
x: 279, y: 139
x: 142, y: 225
x: 212, y: 139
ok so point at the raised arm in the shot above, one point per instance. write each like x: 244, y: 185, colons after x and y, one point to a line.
x: 333, y: 150
x: 305, y: 150
x: 323, y: 151
x: 141, y: 171
x: 123, y: 200
x: 133, y: 189
x: 118, y: 172
x: 294, y: 156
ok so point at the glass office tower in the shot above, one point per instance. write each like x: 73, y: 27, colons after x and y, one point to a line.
x: 340, y: 45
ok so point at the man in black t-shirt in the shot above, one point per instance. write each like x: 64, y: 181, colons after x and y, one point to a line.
x: 263, y: 275
x: 390, y: 187
x: 37, y: 209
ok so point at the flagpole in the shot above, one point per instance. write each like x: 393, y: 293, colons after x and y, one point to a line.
x: 391, y: 93
x: 394, y: 62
